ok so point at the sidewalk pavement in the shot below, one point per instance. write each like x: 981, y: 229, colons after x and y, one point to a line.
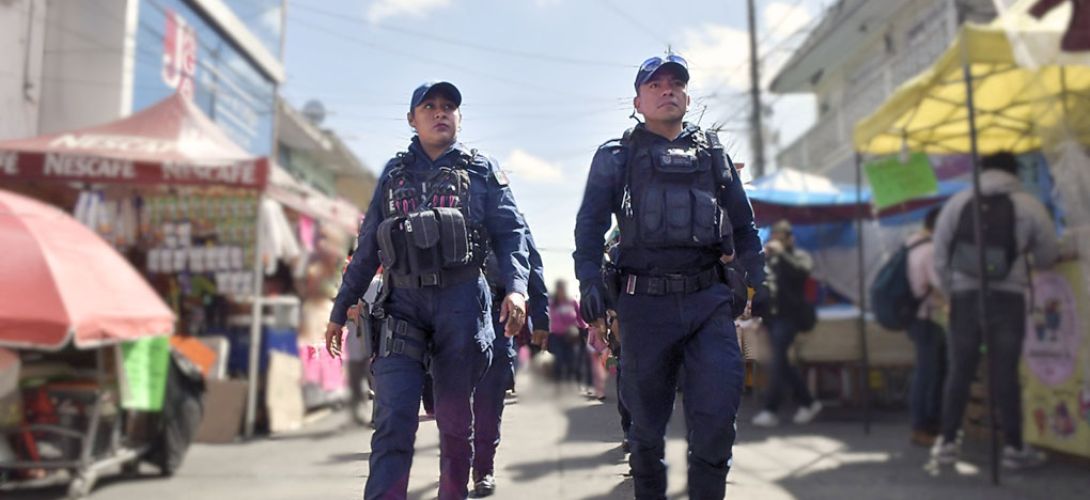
x: 569, y: 448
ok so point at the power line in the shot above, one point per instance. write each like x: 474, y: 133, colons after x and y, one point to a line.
x: 635, y: 22
x: 462, y: 43
x: 437, y: 62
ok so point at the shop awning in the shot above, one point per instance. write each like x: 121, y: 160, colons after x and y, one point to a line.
x: 1025, y: 90
x: 172, y: 142
x: 298, y: 196
x: 806, y: 198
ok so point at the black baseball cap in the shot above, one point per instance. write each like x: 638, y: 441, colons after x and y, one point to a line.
x: 652, y: 65
x: 427, y: 89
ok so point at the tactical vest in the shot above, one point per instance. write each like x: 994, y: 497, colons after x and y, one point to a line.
x: 426, y: 229
x: 670, y: 196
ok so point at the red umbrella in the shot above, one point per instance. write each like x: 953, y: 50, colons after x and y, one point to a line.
x: 60, y: 281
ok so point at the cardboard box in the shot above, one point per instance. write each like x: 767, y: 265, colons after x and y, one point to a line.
x: 224, y: 407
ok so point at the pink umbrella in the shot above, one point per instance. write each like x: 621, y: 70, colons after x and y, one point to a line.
x: 60, y: 281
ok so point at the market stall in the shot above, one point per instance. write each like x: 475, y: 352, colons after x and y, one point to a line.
x: 823, y: 215
x: 66, y: 300
x: 1009, y: 86
x: 167, y: 188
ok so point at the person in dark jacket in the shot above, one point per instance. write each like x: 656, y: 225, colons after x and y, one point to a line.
x: 790, y: 268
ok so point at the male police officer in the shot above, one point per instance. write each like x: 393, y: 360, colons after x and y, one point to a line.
x: 488, y: 400
x: 436, y: 209
x: 681, y: 211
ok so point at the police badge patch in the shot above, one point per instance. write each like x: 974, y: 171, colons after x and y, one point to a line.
x: 500, y: 175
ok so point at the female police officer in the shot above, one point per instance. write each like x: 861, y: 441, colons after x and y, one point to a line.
x: 681, y: 210
x: 436, y: 210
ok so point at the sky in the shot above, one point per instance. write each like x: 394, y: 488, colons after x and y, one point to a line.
x: 544, y: 82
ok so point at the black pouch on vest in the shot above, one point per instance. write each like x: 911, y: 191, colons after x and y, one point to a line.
x: 387, y: 251
x: 422, y: 234
x: 454, y: 237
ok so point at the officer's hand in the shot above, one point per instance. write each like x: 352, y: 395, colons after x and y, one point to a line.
x: 354, y: 311
x: 614, y: 325
x: 513, y: 314
x: 592, y: 303
x: 540, y: 338
x: 333, y: 339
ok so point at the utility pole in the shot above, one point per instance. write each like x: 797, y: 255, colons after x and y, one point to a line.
x: 756, y: 133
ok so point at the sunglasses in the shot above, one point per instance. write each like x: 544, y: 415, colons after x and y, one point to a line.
x: 654, y: 62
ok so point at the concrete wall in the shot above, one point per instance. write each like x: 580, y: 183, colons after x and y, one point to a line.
x: 22, y: 35
x: 88, y: 47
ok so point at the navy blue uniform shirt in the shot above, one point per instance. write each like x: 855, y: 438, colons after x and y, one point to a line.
x: 491, y: 205
x: 602, y: 199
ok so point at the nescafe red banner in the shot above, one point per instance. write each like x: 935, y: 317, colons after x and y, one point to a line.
x: 172, y: 142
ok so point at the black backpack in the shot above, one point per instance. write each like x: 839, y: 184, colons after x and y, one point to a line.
x: 1000, y: 243
x: 891, y: 298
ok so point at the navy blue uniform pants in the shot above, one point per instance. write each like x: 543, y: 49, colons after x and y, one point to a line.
x: 458, y: 317
x: 488, y: 403
x: 663, y: 335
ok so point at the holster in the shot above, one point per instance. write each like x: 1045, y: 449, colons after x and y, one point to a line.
x: 365, y: 330
x: 397, y: 336
x: 611, y: 276
x: 735, y: 279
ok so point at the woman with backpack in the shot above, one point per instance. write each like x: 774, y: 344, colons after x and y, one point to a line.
x: 927, y: 333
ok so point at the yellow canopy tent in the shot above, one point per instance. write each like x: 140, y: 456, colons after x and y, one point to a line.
x: 1021, y: 97
x: 1006, y: 86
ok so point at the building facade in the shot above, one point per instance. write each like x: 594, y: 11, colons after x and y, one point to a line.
x: 318, y: 158
x: 71, y: 64
x: 859, y: 54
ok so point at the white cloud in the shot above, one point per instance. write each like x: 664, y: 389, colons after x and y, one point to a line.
x: 717, y: 55
x: 719, y: 67
x: 524, y: 165
x: 383, y: 9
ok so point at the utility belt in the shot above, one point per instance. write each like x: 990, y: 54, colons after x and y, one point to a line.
x: 441, y: 278
x: 618, y: 283
x: 666, y: 284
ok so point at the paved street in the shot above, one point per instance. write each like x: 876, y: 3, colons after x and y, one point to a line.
x: 568, y: 448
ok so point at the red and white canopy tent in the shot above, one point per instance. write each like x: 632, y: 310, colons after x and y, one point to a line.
x: 170, y: 143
